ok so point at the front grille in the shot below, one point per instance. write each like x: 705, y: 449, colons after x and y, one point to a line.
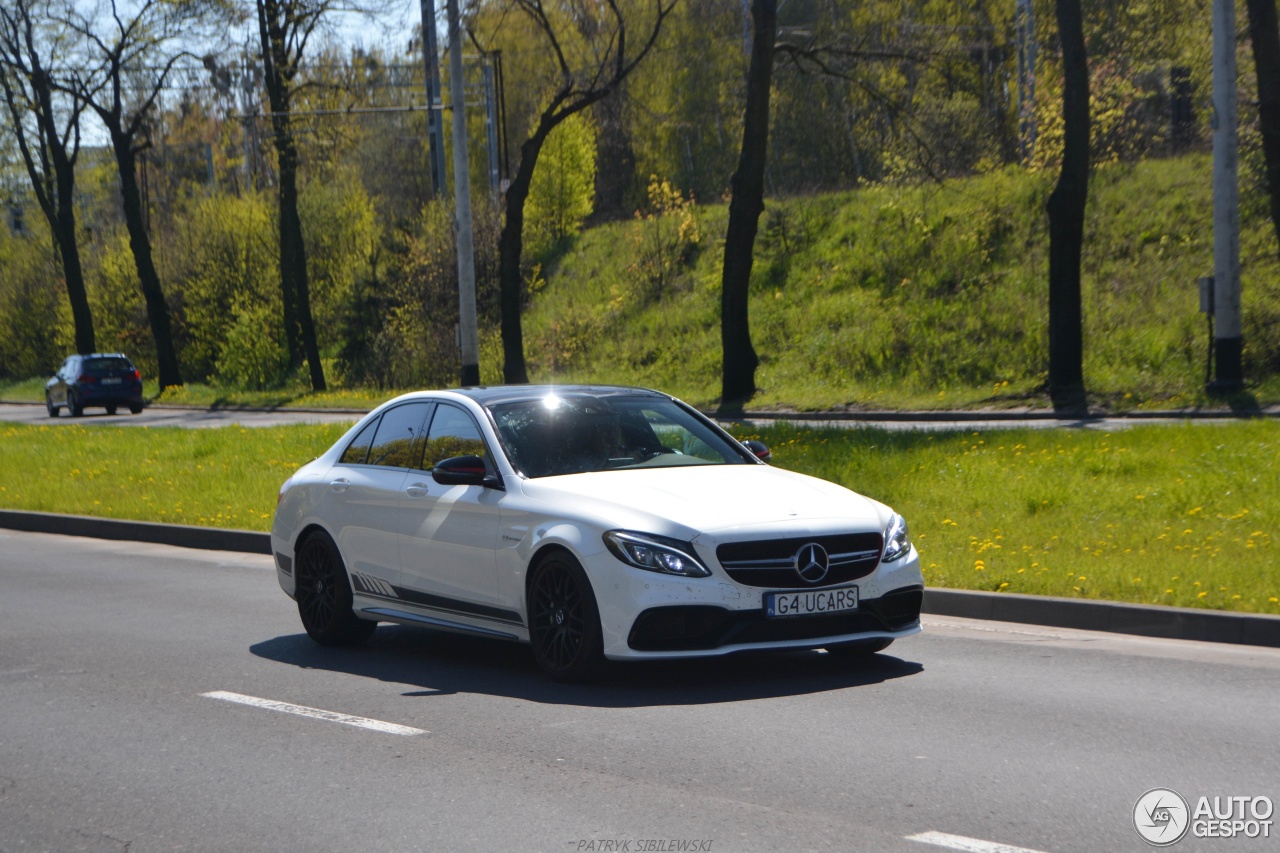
x: 702, y: 627
x: 771, y: 563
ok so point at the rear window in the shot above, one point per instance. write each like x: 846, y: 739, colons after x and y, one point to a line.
x: 107, y: 364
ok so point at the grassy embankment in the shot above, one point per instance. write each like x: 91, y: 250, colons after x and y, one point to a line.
x: 1180, y: 515
x: 896, y: 297
x: 919, y: 297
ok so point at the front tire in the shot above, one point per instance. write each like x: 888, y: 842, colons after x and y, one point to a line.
x: 73, y: 405
x: 323, y: 594
x: 564, y: 621
x: 111, y: 410
x: 48, y: 404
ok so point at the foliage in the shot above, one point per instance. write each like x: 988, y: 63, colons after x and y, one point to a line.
x: 30, y: 290
x: 923, y: 296
x: 665, y: 236
x: 399, y: 321
x: 563, y: 188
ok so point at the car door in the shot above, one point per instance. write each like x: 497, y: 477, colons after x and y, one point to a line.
x: 447, y: 556
x: 363, y: 495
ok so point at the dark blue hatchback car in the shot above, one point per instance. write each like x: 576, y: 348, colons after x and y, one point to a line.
x: 101, y: 379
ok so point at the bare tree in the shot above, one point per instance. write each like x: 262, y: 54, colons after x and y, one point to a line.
x: 1066, y: 208
x: 284, y: 29
x: 738, y: 375
x: 610, y: 59
x: 128, y: 60
x: 1264, y: 33
x: 46, y: 126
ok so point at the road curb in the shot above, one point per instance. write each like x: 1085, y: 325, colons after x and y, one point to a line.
x: 1147, y: 620
x: 182, y: 535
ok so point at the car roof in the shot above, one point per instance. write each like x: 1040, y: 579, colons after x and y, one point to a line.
x: 497, y: 394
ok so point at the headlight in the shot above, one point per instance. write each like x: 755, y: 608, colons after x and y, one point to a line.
x: 897, y: 541
x: 655, y: 553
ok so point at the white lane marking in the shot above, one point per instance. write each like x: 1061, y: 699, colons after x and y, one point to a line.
x: 969, y: 845
x: 315, y: 713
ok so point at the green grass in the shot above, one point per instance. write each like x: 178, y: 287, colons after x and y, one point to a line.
x: 1183, y: 515
x: 226, y: 477
x: 919, y: 297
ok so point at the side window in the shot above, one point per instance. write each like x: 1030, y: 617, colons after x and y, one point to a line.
x: 398, y: 441
x: 453, y: 433
x: 358, y: 450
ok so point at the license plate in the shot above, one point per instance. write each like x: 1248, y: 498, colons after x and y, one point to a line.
x: 811, y: 603
x: 112, y: 380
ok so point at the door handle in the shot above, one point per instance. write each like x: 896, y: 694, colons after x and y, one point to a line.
x: 340, y: 485
x: 416, y: 490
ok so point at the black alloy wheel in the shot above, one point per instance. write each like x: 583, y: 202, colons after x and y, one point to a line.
x: 564, y: 622
x: 324, y: 595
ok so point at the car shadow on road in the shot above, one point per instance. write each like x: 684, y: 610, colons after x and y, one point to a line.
x: 439, y: 663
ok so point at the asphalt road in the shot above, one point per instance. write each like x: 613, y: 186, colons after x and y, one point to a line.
x: 163, y: 416
x: 1032, y: 738
x: 27, y: 413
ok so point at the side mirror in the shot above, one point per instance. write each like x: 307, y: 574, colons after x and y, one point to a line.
x: 759, y: 449
x: 464, y: 471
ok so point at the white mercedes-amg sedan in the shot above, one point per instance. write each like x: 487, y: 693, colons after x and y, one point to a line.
x: 591, y: 522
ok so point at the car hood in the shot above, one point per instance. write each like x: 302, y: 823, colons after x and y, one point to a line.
x: 686, y: 501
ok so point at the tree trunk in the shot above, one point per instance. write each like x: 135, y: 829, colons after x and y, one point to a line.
x: 157, y: 307
x: 510, y: 247
x: 300, y: 330
x: 64, y: 228
x: 1066, y: 217
x: 56, y: 202
x: 1265, y: 36
x: 615, y: 159
x: 740, y: 360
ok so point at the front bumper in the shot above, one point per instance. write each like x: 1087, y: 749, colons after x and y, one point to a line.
x: 702, y: 628
x: 650, y: 615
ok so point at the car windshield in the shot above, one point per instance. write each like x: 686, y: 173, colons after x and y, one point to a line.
x: 105, y: 364
x: 577, y: 433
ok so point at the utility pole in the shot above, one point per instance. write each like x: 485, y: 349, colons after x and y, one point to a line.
x: 1227, y: 337
x: 467, y: 333
x: 435, y: 134
x: 1026, y: 35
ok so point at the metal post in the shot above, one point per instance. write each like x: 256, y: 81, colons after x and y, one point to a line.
x: 435, y: 133
x: 491, y: 127
x: 467, y: 336
x: 1026, y: 35
x: 1226, y: 205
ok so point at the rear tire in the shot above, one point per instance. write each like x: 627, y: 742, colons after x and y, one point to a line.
x: 860, y: 650
x: 564, y: 621
x: 323, y: 594
x: 73, y: 405
x: 135, y: 408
